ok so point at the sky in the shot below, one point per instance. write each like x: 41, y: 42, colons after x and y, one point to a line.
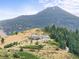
x: 13, y: 8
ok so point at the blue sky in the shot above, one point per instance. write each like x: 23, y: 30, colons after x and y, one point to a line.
x: 16, y: 4
x: 14, y: 8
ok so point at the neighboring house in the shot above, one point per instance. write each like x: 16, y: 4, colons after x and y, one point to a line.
x: 40, y: 37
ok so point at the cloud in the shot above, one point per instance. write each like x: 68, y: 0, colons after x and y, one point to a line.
x: 71, y: 6
x: 49, y: 3
x: 28, y: 10
x: 6, y: 14
x: 24, y: 10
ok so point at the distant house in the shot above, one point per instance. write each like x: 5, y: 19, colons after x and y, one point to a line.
x: 40, y: 37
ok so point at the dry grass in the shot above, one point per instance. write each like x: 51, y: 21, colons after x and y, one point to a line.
x: 48, y: 51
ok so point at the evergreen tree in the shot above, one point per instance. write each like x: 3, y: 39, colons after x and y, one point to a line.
x: 65, y: 37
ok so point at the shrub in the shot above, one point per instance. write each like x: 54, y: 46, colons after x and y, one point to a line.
x: 15, y: 55
x: 34, y: 46
x: 10, y: 45
x: 21, y: 49
x: 53, y: 43
x: 36, y: 43
x: 2, y: 40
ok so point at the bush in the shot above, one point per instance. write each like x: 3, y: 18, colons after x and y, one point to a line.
x: 10, y: 45
x: 21, y: 49
x: 36, y: 43
x: 2, y: 40
x: 53, y: 43
x: 15, y: 55
x: 34, y: 46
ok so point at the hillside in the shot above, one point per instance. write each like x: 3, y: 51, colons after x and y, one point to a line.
x: 52, y: 15
x: 50, y: 49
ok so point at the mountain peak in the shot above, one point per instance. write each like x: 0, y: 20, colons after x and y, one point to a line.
x: 52, y: 10
x: 55, y: 11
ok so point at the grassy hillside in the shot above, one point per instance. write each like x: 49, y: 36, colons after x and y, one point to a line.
x: 25, y: 49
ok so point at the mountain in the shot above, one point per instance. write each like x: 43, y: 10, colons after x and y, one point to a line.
x: 51, y: 15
